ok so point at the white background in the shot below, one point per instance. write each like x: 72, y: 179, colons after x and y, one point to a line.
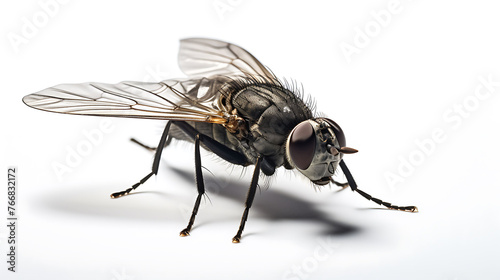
x: 405, y: 81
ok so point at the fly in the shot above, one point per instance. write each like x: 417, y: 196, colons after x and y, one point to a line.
x: 231, y: 105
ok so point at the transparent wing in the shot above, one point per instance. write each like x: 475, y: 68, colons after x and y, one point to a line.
x: 188, y: 99
x: 207, y: 57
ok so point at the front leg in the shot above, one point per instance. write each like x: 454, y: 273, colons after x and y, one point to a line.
x: 341, y: 185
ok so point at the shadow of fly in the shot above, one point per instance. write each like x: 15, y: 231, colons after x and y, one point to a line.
x: 231, y: 105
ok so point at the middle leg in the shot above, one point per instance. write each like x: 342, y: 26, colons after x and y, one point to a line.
x: 249, y: 201
x: 200, y: 185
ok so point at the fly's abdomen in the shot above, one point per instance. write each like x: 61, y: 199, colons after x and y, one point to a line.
x: 218, y: 133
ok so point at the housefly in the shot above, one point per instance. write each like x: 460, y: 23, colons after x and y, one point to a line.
x: 229, y: 104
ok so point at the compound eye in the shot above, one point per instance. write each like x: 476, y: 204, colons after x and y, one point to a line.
x: 302, y: 145
x: 339, y: 134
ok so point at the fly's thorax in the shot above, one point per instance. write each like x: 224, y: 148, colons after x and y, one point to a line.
x: 270, y: 112
x: 312, y: 147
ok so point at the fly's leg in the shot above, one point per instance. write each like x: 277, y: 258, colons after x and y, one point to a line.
x: 199, y: 184
x: 169, y: 139
x: 149, y: 148
x: 341, y: 185
x: 249, y: 201
x: 354, y: 187
x: 226, y: 154
x: 154, y: 169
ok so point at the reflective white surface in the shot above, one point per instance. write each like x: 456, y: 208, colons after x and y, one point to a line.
x: 408, y: 100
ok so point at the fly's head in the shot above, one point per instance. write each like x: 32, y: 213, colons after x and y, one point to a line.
x: 315, y: 147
